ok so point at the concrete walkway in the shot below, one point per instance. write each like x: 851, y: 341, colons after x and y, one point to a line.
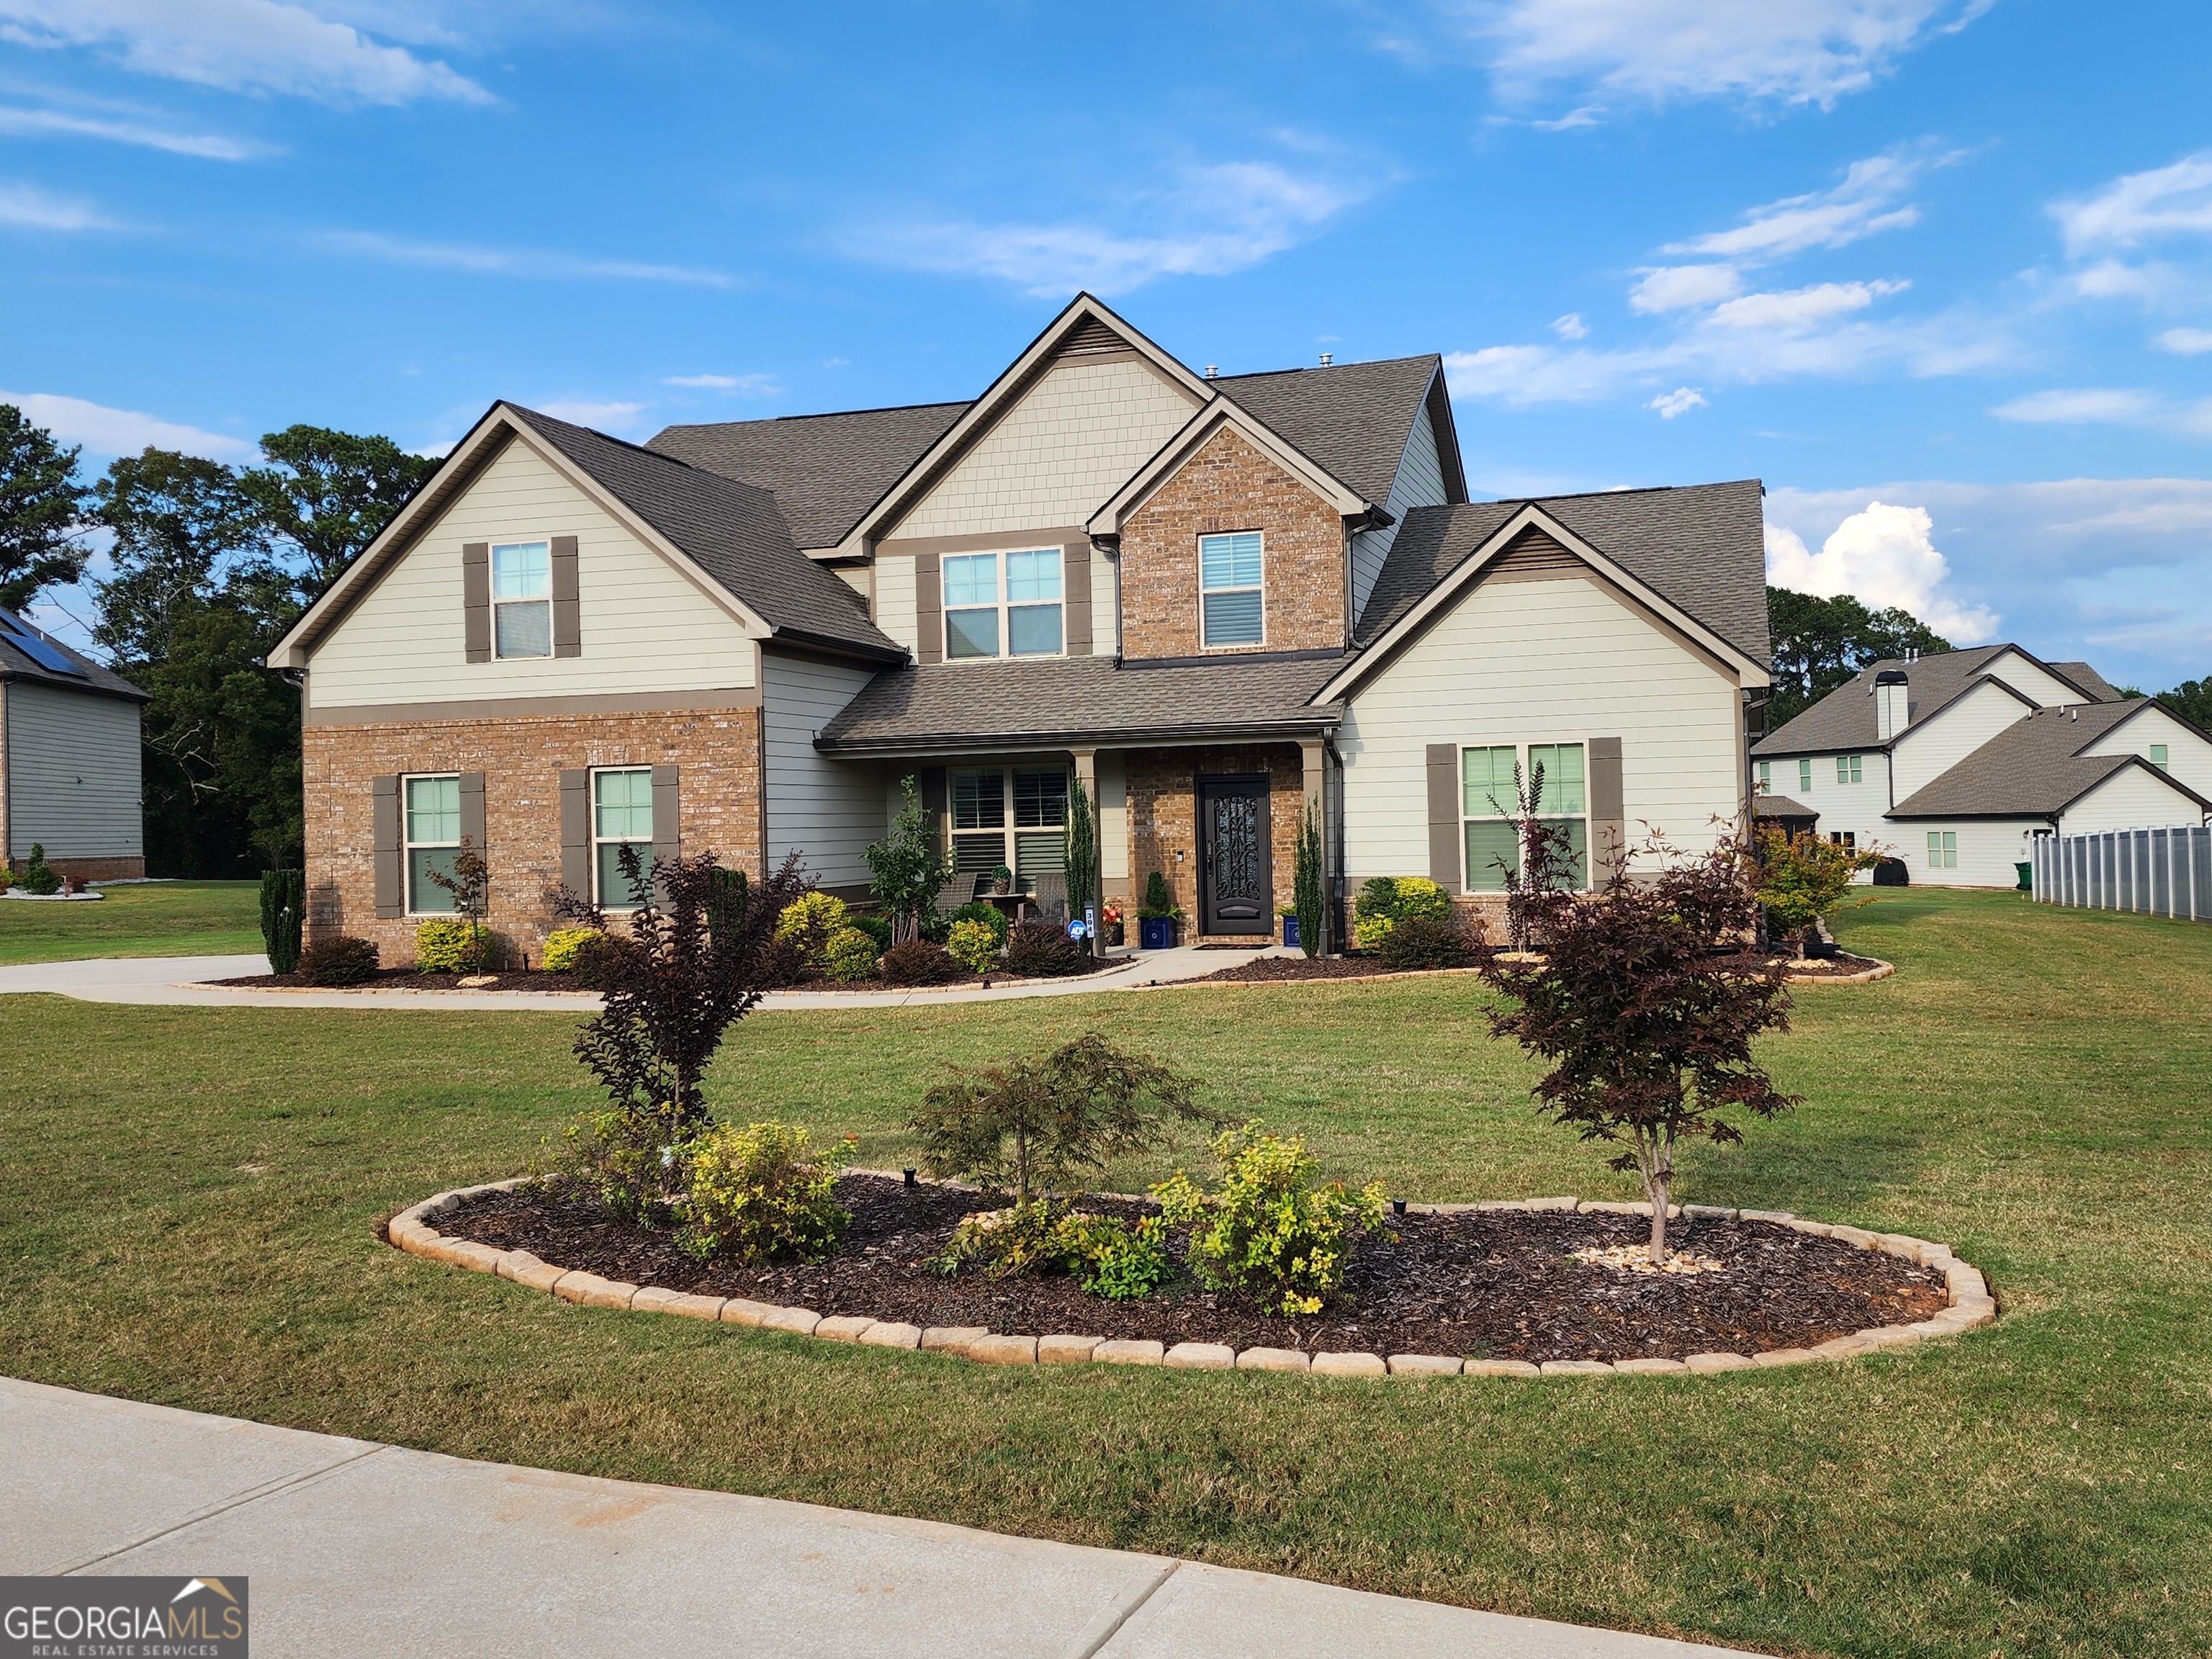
x: 350, y: 1547
x: 179, y: 981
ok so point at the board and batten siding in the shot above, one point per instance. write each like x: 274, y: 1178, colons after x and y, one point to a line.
x: 1931, y: 747
x: 1552, y: 661
x: 645, y: 626
x: 2188, y: 756
x: 73, y: 782
x: 1419, y: 483
x: 1068, y: 443
x: 2134, y: 798
x: 826, y: 810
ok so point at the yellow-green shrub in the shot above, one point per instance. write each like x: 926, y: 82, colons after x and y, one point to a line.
x: 807, y: 923
x: 973, y: 945
x: 450, y: 945
x: 562, y: 946
x: 850, y: 955
x: 758, y: 1193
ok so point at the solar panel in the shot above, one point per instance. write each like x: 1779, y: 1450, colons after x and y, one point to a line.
x: 20, y: 636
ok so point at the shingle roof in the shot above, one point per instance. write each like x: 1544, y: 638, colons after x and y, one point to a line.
x: 16, y: 663
x: 824, y: 470
x: 1352, y: 418
x: 731, y: 530
x: 2030, y: 769
x: 2100, y: 688
x: 1781, y: 806
x: 1076, y: 699
x: 1701, y: 546
x: 1844, y: 718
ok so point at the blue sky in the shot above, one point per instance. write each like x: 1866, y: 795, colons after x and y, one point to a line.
x: 1939, y: 271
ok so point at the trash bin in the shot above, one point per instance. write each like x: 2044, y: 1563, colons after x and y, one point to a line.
x: 2026, y: 878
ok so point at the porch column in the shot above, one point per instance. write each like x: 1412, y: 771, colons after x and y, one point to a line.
x: 1086, y: 780
x: 1311, y: 760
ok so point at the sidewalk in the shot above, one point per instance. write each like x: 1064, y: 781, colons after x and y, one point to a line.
x: 353, y: 1547
x: 179, y: 981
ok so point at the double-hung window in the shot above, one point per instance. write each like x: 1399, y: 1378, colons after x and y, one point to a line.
x: 1489, y: 809
x: 1804, y: 777
x: 1850, y: 769
x: 1942, y: 849
x: 1003, y: 604
x: 1030, y: 802
x: 622, y: 816
x: 1229, y: 578
x: 434, y: 840
x: 1766, y: 777
x: 522, y: 598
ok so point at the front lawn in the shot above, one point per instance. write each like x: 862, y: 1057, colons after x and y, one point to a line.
x: 187, y: 1198
x: 158, y: 918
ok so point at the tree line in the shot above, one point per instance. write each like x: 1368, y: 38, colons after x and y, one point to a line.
x: 207, y: 566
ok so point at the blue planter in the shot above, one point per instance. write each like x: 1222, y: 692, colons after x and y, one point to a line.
x: 1156, y: 932
x: 1291, y: 941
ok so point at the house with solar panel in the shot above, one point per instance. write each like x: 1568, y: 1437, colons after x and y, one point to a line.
x: 1954, y: 762
x: 68, y: 758
x: 1210, y: 601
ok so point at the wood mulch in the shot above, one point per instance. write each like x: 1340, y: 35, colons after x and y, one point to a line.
x: 1496, y: 1284
x: 406, y: 978
x: 1263, y: 970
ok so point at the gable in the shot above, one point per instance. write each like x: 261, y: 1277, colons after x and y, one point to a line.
x: 2049, y: 691
x: 1418, y: 481
x: 646, y: 628
x: 2132, y: 798
x: 1065, y: 445
x: 2189, y: 753
x: 1933, y: 745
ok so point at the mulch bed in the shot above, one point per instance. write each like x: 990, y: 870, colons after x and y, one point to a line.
x: 406, y: 978
x: 1271, y: 970
x: 1496, y: 1284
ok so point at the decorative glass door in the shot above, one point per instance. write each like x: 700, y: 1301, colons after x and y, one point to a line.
x: 1236, y: 869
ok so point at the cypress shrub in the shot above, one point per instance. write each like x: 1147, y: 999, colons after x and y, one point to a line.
x: 283, y: 909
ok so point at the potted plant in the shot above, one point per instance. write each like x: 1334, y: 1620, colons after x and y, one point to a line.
x: 1289, y: 913
x: 1002, y: 880
x: 1158, y: 915
x: 1110, y: 921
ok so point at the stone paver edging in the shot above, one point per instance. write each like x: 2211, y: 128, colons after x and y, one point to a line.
x: 1971, y: 1305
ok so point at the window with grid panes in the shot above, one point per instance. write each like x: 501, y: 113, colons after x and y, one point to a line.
x: 622, y: 816
x: 434, y: 840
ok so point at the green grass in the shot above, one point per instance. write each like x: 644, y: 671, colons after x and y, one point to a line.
x: 161, y: 919
x: 187, y: 1198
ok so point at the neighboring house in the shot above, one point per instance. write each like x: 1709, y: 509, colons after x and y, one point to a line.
x: 1953, y: 763
x: 68, y: 758
x: 1208, y: 601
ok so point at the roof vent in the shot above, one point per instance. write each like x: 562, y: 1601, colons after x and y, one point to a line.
x: 1911, y: 653
x: 1327, y: 358
x: 1213, y: 371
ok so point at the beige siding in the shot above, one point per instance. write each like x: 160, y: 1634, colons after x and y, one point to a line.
x: 1075, y: 437
x: 1524, y: 662
x: 1933, y: 746
x: 646, y: 627
x: 2189, y: 758
x: 1419, y: 483
x: 824, y: 810
x: 894, y: 599
x: 72, y: 774
x: 2135, y: 799
x: 1105, y: 605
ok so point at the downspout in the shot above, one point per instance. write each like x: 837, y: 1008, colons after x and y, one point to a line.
x: 1332, y: 812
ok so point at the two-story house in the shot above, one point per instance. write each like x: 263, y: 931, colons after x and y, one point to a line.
x: 1955, y: 762
x: 1206, y: 600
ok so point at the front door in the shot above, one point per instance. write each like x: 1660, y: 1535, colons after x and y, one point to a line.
x: 1236, y: 874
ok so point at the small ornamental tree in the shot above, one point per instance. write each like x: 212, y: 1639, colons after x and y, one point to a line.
x: 906, y: 872
x: 1546, y: 864
x: 1034, y: 1125
x: 1306, y: 879
x: 1802, y: 878
x: 470, y: 886
x: 1650, y: 1034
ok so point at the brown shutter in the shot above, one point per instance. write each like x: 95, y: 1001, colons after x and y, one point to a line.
x: 476, y: 599
x: 576, y: 832
x: 472, y: 810
x: 1075, y: 597
x: 929, y: 609
x: 931, y: 781
x: 666, y: 842
x: 1444, y: 816
x: 1607, y: 811
x: 391, y: 883
x: 568, y: 607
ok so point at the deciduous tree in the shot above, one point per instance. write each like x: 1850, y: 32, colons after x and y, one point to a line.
x: 1820, y: 643
x: 41, y: 510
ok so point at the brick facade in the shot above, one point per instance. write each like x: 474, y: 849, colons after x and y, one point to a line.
x: 1229, y: 486
x: 98, y: 867
x: 716, y: 752
x: 1163, y: 817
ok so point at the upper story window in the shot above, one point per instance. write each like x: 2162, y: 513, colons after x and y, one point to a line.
x: 1850, y: 769
x: 2158, y: 752
x: 433, y: 841
x: 1804, y: 777
x: 1003, y: 604
x: 622, y: 816
x: 1766, y: 777
x: 1229, y: 571
x: 522, y: 599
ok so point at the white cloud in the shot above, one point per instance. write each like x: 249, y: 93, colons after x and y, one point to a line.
x: 1801, y: 308
x: 1680, y: 401
x: 1213, y: 221
x: 751, y: 384
x: 2142, y: 207
x: 2186, y: 342
x: 1571, y: 326
x: 601, y: 417
x: 1861, y: 205
x: 44, y: 123
x: 29, y: 208
x: 240, y: 46
x: 1882, y: 555
x: 111, y: 432
x: 2151, y: 281
x: 1800, y: 51
x: 1679, y: 287
x: 512, y: 261
x: 2109, y: 406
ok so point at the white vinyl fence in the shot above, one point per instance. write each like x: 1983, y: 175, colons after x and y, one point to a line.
x: 2154, y: 872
